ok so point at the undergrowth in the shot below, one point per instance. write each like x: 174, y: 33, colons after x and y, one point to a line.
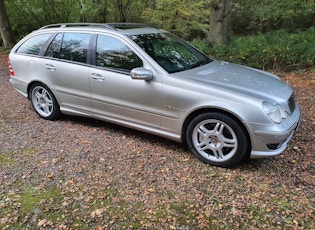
x: 278, y: 50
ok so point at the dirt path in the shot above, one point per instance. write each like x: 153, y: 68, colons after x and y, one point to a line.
x: 78, y: 173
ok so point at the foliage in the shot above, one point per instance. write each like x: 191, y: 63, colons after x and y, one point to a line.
x: 203, y: 45
x: 274, y: 50
x: 190, y: 20
x: 26, y: 16
x: 191, y: 17
x: 266, y: 15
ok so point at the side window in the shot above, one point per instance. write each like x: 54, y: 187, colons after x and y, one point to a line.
x: 113, y: 53
x: 33, y: 45
x: 74, y: 47
x: 54, y: 47
x: 69, y: 46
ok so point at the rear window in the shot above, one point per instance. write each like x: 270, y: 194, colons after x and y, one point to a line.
x: 34, y: 44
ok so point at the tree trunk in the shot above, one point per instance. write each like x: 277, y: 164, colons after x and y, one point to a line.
x: 220, y: 22
x: 5, y: 27
x: 123, y: 8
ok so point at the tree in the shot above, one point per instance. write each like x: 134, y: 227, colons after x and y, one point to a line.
x: 187, y: 19
x: 220, y: 22
x: 94, y: 11
x: 123, y: 9
x: 5, y: 27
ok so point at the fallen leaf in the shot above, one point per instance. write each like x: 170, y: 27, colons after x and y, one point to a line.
x: 41, y: 223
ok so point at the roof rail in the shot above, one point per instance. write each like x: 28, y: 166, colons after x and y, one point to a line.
x: 112, y: 26
x: 63, y: 25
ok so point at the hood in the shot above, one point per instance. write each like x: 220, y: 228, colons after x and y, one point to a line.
x: 241, y: 79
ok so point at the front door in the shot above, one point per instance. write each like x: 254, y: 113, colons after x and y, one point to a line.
x: 114, y: 94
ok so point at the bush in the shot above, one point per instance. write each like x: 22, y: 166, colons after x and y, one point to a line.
x: 278, y: 50
x: 202, y: 44
x: 254, y: 17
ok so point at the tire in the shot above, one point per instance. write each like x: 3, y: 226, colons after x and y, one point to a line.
x: 217, y: 139
x: 44, y: 102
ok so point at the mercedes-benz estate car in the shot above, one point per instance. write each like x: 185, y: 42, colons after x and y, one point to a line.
x: 150, y: 80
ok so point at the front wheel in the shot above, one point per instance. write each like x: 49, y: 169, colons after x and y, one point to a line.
x: 217, y: 139
x: 44, y: 102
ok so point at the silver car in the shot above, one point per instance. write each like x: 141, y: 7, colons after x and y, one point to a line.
x: 150, y: 80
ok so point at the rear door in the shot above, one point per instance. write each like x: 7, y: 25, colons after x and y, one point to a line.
x: 67, y: 70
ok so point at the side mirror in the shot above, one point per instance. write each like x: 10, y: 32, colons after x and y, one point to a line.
x: 141, y: 74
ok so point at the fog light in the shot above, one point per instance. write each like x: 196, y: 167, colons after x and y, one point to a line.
x: 274, y: 146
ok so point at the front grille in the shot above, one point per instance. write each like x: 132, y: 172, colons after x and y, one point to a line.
x: 291, y: 103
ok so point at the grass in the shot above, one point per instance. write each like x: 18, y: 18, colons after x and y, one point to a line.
x: 29, y: 206
x: 5, y: 159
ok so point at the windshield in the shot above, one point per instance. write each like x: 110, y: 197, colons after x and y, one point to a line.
x: 172, y: 53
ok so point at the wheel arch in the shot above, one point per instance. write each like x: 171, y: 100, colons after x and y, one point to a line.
x: 205, y: 110
x: 33, y: 83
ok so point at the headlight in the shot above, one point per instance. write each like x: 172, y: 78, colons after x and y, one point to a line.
x: 282, y: 111
x: 275, y: 112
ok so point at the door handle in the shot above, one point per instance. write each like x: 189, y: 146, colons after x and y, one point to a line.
x: 50, y: 67
x: 97, y: 77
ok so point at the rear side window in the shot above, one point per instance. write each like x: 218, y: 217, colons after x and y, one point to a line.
x: 54, y: 47
x: 113, y: 53
x: 34, y: 44
x: 69, y: 46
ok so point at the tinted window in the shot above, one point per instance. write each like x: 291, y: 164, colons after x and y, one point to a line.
x: 54, y: 48
x: 69, y: 46
x: 113, y: 53
x: 33, y: 45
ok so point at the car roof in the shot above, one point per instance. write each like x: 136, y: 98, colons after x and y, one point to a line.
x: 123, y: 28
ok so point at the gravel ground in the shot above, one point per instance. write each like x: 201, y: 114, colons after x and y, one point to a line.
x: 78, y: 173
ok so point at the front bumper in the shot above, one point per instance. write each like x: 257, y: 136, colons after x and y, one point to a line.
x: 271, y: 143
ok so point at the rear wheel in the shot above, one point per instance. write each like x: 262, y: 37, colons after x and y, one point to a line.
x: 217, y: 139
x: 44, y: 102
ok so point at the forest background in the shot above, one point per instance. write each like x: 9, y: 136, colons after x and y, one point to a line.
x: 266, y: 34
